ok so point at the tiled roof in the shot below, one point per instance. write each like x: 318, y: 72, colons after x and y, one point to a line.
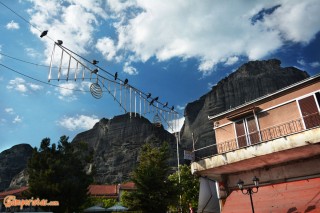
x: 128, y: 185
x: 13, y: 192
x: 103, y: 190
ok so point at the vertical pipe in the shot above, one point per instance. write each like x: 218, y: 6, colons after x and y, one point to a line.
x: 51, y: 61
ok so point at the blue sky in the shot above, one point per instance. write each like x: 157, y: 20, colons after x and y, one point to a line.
x: 174, y: 49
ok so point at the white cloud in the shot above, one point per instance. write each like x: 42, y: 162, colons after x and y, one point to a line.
x: 20, y: 85
x: 301, y: 62
x: 32, y: 52
x: 75, y: 22
x: 181, y: 107
x: 212, y: 31
x: 78, y: 122
x: 127, y: 68
x: 9, y: 110
x: 231, y: 60
x: 107, y: 48
x: 17, y: 119
x: 12, y: 25
x: 35, y: 87
x: 315, y: 64
x: 176, y: 125
x: 66, y: 91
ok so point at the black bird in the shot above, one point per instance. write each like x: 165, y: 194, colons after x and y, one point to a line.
x: 125, y: 81
x: 151, y: 102
x: 44, y: 33
x: 172, y: 108
x: 156, y: 98
x: 59, y: 42
x: 95, y: 71
x: 148, y: 95
x: 95, y: 61
x: 166, y: 104
x: 116, y: 76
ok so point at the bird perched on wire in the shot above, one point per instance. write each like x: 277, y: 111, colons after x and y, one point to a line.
x: 59, y: 42
x: 95, y: 71
x: 125, y: 81
x: 153, y: 100
x: 172, y: 108
x: 44, y: 33
x: 94, y: 61
x: 166, y: 104
x: 148, y: 95
x: 116, y: 76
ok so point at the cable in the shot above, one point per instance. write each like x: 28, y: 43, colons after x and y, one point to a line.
x: 17, y: 59
x: 43, y: 82
x: 65, y: 48
x: 20, y: 16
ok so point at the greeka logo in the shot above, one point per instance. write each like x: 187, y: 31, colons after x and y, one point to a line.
x: 11, y: 200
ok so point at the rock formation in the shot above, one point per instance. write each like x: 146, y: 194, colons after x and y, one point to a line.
x: 116, y: 144
x: 12, y: 162
x: 252, y: 80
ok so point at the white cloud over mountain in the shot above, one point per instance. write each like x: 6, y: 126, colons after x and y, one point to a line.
x: 78, y: 122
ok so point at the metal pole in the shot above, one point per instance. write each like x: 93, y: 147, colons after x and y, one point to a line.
x: 250, y: 193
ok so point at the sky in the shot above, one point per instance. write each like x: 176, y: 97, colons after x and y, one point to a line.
x: 174, y: 49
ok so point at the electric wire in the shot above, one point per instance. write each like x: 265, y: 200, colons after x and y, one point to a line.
x: 65, y: 48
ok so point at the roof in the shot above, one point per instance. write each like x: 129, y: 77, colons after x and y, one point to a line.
x: 296, y: 196
x: 127, y: 186
x: 103, y: 190
x: 308, y: 80
x: 13, y: 192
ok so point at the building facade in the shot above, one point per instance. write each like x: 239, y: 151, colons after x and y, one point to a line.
x: 275, y: 138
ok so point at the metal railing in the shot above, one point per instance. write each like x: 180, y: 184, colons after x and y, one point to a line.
x: 264, y: 135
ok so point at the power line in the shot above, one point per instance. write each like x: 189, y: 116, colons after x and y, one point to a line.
x: 65, y: 48
x: 40, y: 81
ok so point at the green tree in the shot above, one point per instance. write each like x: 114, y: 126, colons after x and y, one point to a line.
x: 188, y: 188
x: 154, y: 191
x: 56, y: 173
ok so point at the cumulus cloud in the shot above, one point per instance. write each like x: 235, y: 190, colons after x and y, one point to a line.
x: 315, y: 64
x: 74, y: 21
x: 127, y: 68
x: 12, y: 25
x: 66, y: 91
x: 176, y: 125
x: 212, y: 31
x: 9, y: 110
x: 17, y: 119
x: 20, y: 85
x: 107, y: 48
x: 78, y: 122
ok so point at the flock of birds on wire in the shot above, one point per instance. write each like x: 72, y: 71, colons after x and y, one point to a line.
x: 146, y: 103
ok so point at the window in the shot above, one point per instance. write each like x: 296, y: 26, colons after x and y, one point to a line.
x: 310, y: 110
x: 247, y: 131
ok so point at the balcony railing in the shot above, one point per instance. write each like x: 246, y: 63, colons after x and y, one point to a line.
x: 267, y: 134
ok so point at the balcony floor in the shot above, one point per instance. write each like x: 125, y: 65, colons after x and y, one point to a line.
x: 293, y: 147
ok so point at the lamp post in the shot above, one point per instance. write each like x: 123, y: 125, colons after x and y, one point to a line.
x: 249, y: 190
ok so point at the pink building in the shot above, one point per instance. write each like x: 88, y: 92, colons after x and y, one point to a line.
x: 275, y: 138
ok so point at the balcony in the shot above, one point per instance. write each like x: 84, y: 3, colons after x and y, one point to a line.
x: 271, y: 133
x: 287, y: 141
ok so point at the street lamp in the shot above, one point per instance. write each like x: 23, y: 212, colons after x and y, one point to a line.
x: 249, y: 190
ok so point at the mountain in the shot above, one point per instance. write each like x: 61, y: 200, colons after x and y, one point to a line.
x: 252, y: 80
x: 12, y: 162
x: 115, y: 144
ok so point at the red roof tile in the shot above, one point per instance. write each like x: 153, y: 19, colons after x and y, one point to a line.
x: 13, y: 192
x: 102, y: 190
x: 128, y: 185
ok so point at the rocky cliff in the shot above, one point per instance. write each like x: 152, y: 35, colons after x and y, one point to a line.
x: 12, y: 162
x: 250, y: 81
x: 116, y: 143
